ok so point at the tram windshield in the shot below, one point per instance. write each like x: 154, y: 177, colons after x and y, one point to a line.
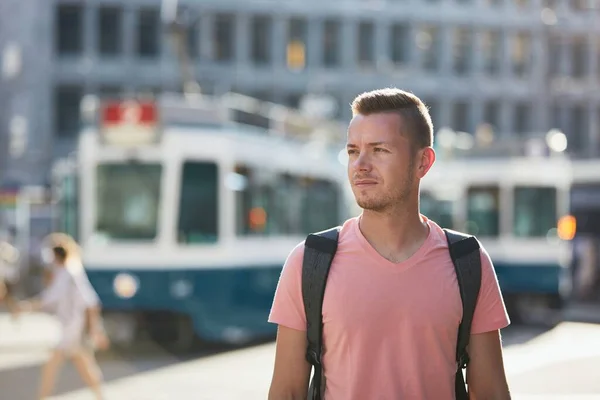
x: 535, y: 212
x: 127, y: 200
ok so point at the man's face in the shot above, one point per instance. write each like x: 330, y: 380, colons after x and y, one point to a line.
x: 381, y: 161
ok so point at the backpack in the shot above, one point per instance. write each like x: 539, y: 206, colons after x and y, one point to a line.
x: 319, y: 250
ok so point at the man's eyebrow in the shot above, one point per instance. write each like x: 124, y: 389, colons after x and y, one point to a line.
x: 372, y: 144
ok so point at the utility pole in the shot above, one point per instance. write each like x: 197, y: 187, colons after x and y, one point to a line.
x: 177, y: 23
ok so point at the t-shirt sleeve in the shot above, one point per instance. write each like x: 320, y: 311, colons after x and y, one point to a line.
x: 490, y: 311
x: 288, y: 306
x: 87, y: 292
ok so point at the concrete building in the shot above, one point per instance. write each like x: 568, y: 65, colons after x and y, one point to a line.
x: 523, y: 66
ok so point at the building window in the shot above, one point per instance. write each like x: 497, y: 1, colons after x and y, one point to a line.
x: 554, y: 55
x: 433, y: 107
x: 521, y: 54
x: 578, y: 134
x: 148, y: 31
x: 491, y: 114
x: 579, y: 5
x: 522, y: 118
x: 261, y: 39
x: 579, y: 56
x: 193, y: 40
x: 110, y: 31
x: 366, y: 40
x: 198, y: 203
x: 399, y: 43
x: 460, y: 116
x: 598, y: 60
x: 66, y: 102
x: 596, y: 143
x: 293, y: 100
x: 331, y: 43
x: 492, y: 52
x: 223, y: 34
x: 429, y: 43
x: 69, y: 30
x: 296, y: 44
x: 521, y: 3
x: 462, y: 47
x: 556, y: 118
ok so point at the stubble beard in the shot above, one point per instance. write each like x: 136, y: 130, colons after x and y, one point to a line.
x: 385, y: 202
x: 392, y: 198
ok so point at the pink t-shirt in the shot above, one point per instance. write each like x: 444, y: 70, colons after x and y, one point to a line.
x: 389, y: 329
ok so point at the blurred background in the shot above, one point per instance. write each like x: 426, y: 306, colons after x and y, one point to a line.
x: 188, y: 146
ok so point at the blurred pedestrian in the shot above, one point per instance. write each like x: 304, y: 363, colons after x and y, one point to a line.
x: 72, y: 299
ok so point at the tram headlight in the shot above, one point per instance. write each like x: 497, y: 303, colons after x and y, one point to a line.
x: 567, y: 227
x: 125, y: 285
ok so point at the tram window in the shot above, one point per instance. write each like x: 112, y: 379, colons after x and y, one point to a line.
x: 198, y: 204
x: 278, y: 204
x: 534, y: 211
x: 483, y: 211
x: 128, y: 197
x: 68, y: 206
x: 320, y: 206
x: 268, y: 203
x: 439, y: 211
x: 254, y: 203
x: 289, y: 200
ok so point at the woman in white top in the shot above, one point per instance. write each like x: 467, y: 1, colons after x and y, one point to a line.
x: 72, y: 299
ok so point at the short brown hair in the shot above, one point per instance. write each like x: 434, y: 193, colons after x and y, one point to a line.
x: 413, y: 111
x: 62, y: 245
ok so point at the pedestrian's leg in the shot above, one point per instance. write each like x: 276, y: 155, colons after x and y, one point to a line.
x: 88, y: 369
x: 49, y: 373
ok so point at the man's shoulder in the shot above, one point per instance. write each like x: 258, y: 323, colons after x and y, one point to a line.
x: 441, y: 233
x: 345, y: 229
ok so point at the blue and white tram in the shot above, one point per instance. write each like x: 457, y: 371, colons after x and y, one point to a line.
x: 190, y: 231
x: 513, y: 205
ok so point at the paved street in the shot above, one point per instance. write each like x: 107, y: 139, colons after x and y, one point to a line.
x: 561, y: 363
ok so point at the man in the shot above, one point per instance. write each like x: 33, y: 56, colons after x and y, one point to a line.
x: 392, y: 306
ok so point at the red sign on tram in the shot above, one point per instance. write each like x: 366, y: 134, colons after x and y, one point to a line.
x: 129, y: 122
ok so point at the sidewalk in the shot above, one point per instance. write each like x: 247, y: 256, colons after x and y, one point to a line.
x: 589, y: 313
x: 26, y: 340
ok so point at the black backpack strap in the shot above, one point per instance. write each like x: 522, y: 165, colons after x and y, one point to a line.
x: 464, y: 251
x: 319, y: 250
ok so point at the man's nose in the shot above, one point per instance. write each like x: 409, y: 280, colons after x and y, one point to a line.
x: 362, y: 162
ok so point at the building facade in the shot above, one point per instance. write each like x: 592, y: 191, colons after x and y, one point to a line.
x: 521, y: 66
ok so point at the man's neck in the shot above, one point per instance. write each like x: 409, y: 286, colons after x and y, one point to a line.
x: 395, y: 234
